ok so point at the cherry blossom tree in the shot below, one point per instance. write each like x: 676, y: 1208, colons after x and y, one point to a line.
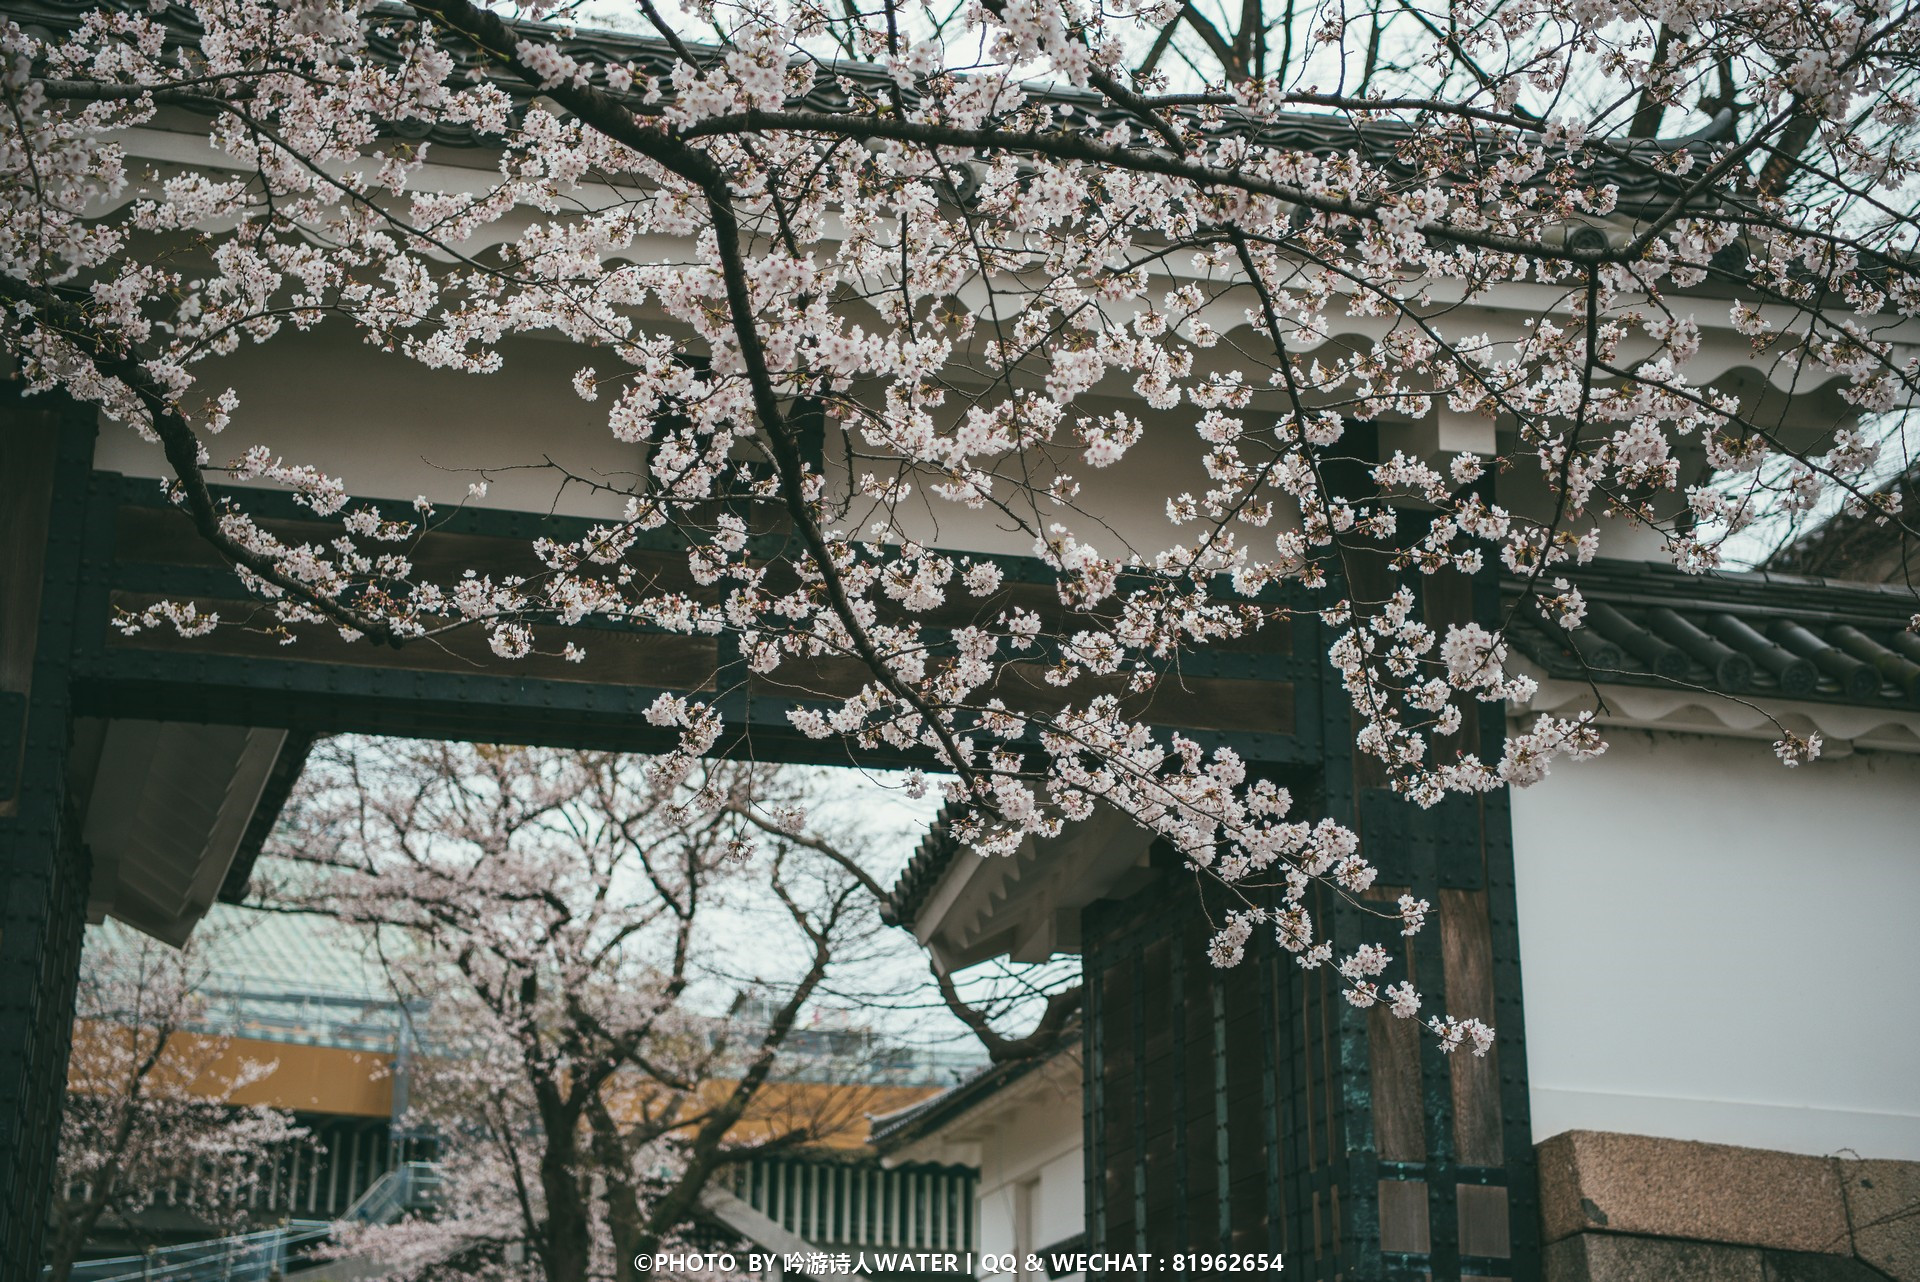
x: 847, y: 273
x: 150, y: 1112
x: 588, y: 933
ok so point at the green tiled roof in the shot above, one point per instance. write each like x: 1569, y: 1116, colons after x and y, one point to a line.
x: 283, y: 977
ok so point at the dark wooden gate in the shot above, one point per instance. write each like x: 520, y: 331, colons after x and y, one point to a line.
x: 1251, y: 1109
x: 1255, y: 1110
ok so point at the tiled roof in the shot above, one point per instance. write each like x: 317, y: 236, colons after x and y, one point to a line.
x: 275, y: 952
x: 891, y: 1130
x: 295, y: 953
x: 285, y: 978
x: 1860, y: 546
x: 917, y: 880
x: 1632, y: 168
x: 1786, y: 636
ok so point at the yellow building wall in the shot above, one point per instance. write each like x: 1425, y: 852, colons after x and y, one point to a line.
x: 310, y: 1079
x: 350, y: 1083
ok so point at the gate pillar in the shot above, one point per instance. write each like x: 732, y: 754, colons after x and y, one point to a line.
x: 1254, y: 1110
x: 46, y: 449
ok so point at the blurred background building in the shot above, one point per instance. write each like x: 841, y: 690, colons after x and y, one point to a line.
x: 296, y: 991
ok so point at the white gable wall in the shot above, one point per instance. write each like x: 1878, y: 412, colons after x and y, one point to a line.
x: 1038, y: 1158
x: 1714, y: 947
x: 1026, y: 1139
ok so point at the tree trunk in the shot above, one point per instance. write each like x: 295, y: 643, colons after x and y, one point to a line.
x: 63, y: 1248
x: 568, y: 1245
x: 73, y: 1223
x: 625, y: 1220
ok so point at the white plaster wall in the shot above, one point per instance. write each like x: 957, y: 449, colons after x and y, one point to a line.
x: 1717, y: 948
x: 1038, y: 1138
x: 390, y: 428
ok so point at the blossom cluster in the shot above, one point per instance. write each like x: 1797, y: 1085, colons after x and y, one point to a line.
x: 1004, y: 278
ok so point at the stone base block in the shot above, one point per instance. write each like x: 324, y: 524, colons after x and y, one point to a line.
x: 1632, y: 1208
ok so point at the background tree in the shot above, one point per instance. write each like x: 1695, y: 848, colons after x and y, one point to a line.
x: 150, y: 1114
x: 619, y: 973
x: 1278, y: 223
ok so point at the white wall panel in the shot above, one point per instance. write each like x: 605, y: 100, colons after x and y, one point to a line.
x: 1717, y: 948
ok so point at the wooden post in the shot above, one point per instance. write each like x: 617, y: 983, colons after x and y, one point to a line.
x: 45, y: 454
